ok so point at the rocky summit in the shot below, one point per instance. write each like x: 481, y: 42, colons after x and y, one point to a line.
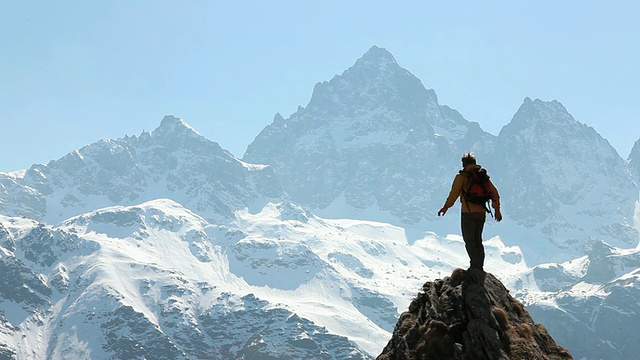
x: 469, y: 315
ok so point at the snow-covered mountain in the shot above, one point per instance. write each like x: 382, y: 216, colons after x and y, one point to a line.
x: 372, y: 139
x: 561, y: 178
x: 374, y: 143
x: 590, y: 304
x: 157, y: 280
x: 173, y: 161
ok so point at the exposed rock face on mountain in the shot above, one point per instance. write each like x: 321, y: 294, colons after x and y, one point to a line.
x: 173, y: 161
x: 595, y: 302
x: 634, y: 161
x: 469, y: 315
x: 373, y: 137
x: 562, y: 177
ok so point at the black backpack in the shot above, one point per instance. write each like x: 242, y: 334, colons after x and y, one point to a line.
x: 476, y: 190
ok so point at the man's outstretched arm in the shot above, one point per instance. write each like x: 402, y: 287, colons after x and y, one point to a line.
x: 456, y: 189
x: 495, y: 201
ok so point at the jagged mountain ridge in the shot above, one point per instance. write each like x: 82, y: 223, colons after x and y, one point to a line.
x: 369, y: 138
x: 561, y: 177
x: 374, y: 142
x: 173, y: 161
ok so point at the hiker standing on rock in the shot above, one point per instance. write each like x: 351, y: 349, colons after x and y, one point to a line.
x: 475, y: 189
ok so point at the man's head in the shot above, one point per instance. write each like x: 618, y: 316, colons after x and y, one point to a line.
x: 468, y: 159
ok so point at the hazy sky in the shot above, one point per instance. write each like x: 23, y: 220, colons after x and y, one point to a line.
x: 74, y: 72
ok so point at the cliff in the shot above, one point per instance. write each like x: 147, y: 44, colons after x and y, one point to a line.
x: 469, y: 315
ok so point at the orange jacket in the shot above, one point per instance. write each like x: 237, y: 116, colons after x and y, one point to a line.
x: 460, y: 183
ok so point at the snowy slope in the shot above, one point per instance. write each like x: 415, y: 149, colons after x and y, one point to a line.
x: 156, y: 278
x: 590, y: 304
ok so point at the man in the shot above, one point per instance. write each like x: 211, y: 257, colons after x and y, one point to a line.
x: 473, y: 212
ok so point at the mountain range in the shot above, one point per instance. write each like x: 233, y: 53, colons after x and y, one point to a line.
x: 166, y: 245
x: 173, y: 161
x: 375, y: 143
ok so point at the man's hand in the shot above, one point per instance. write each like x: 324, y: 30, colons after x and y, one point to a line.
x: 498, y: 215
x: 442, y: 211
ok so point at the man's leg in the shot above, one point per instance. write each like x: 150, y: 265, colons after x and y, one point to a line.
x: 472, y: 226
x: 479, y: 227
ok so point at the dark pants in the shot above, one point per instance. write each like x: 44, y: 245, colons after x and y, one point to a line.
x: 472, y: 225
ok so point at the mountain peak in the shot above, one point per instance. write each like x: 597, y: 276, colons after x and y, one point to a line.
x: 173, y: 126
x: 375, y: 60
x: 171, y: 120
x: 634, y: 156
x: 469, y: 315
x: 377, y: 55
x: 278, y: 119
x: 555, y: 104
x: 537, y: 111
x: 375, y: 78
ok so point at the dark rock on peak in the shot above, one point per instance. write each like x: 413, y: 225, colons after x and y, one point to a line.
x: 635, y: 152
x: 376, y: 54
x: 278, y: 119
x: 171, y: 120
x: 469, y: 315
x: 533, y: 113
x: 172, y: 123
x: 634, y: 161
x: 376, y: 80
x: 175, y: 129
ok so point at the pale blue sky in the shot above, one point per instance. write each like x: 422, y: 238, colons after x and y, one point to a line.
x: 74, y: 72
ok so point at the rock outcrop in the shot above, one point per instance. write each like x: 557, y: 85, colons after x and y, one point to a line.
x: 469, y: 315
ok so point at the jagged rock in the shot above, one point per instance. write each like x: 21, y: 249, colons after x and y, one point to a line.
x: 6, y: 240
x: 634, y: 161
x: 469, y: 315
x: 20, y: 284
